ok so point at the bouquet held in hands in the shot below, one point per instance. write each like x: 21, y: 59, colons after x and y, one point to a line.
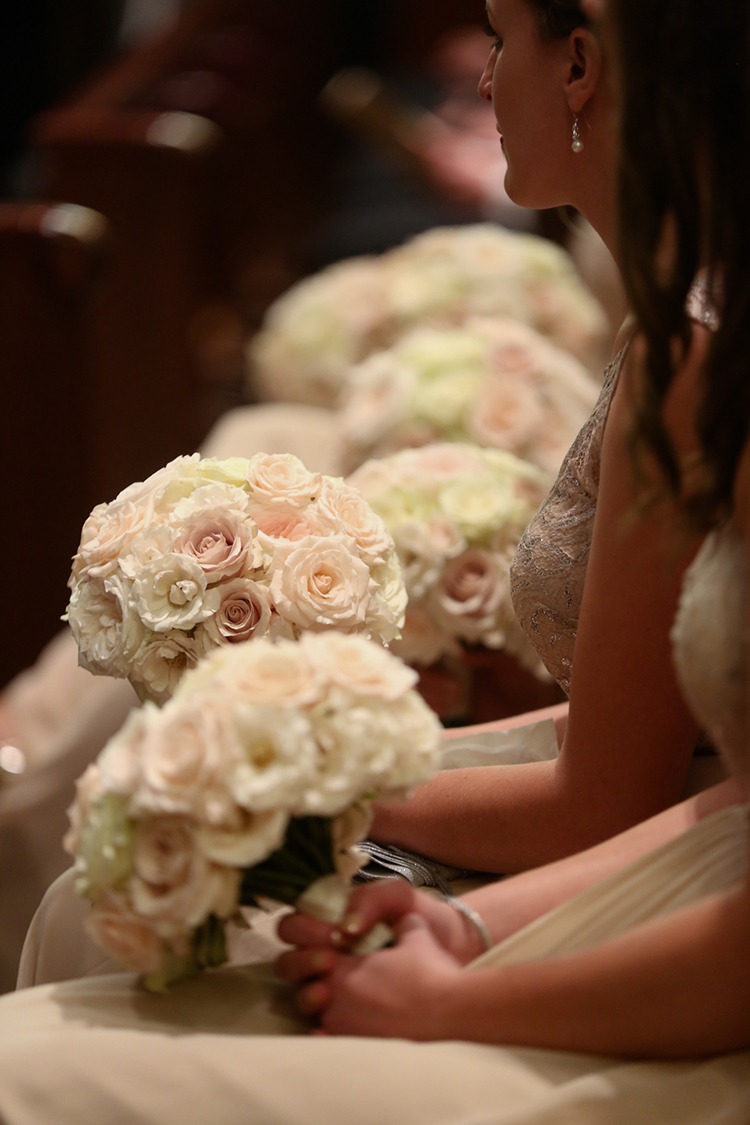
x: 254, y: 780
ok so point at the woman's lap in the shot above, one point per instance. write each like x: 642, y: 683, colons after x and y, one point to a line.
x: 227, y: 1047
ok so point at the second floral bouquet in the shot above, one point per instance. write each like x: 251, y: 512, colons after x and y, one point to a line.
x: 206, y: 553
x: 254, y: 781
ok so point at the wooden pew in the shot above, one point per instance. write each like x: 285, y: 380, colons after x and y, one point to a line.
x: 53, y: 264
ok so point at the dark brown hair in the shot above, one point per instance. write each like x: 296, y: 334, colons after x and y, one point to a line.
x: 557, y: 18
x: 684, y: 196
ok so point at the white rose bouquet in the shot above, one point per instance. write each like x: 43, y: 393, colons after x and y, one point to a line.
x: 492, y: 382
x: 456, y: 513
x: 206, y: 553
x: 254, y: 781
x: 326, y: 323
x: 450, y: 273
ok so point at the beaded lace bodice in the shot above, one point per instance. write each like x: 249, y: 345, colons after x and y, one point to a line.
x: 549, y: 569
x: 710, y: 646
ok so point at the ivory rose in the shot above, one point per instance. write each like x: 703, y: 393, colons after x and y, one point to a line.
x: 119, y: 764
x: 105, y: 535
x: 249, y: 839
x: 275, y: 675
x: 107, y: 630
x: 160, y: 663
x: 171, y: 593
x: 278, y: 758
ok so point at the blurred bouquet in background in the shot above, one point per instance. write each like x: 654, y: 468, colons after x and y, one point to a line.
x: 456, y: 513
x: 326, y: 323
x: 206, y: 553
x: 254, y: 781
x: 493, y: 382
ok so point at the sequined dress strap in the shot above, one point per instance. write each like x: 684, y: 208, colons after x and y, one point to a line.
x: 549, y: 569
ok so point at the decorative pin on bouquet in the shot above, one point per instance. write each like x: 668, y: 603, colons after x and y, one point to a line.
x: 254, y: 781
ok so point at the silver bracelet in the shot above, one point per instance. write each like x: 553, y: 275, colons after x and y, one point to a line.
x: 473, y: 916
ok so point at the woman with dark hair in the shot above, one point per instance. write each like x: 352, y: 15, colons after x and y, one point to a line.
x: 590, y: 588
x: 647, y: 972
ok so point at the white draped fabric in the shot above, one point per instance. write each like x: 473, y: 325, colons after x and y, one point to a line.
x: 228, y: 1047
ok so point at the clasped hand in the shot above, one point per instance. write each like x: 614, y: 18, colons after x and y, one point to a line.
x: 404, y: 991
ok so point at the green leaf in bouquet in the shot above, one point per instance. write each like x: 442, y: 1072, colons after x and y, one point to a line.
x: 210, y: 944
x: 174, y: 967
x: 306, y: 855
x: 208, y: 950
x: 105, y: 850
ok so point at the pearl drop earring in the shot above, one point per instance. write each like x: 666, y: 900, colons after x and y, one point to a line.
x: 577, y: 145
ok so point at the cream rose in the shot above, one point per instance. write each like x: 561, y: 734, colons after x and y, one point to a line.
x: 281, y: 481
x: 214, y: 496
x: 173, y: 883
x: 320, y: 583
x: 171, y: 593
x: 128, y: 939
x: 88, y: 788
x: 480, y: 505
x: 507, y: 414
x: 120, y: 761
x: 361, y: 666
x: 279, y: 675
x: 377, y: 398
x: 160, y: 663
x: 108, y: 532
x: 285, y: 525
x: 178, y: 478
x: 186, y: 756
x: 473, y: 589
x: 385, y: 614
x: 249, y: 840
x: 344, y: 509
x: 106, y: 627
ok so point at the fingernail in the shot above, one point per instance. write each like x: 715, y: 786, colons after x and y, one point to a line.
x: 320, y: 962
x: 352, y: 924
x: 337, y: 938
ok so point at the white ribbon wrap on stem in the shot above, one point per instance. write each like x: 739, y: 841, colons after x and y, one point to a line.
x: 326, y: 899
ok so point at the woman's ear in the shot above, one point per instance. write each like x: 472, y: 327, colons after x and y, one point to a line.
x: 584, y: 68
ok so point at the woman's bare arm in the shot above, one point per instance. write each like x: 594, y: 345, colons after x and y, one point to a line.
x: 508, y: 905
x: 629, y: 735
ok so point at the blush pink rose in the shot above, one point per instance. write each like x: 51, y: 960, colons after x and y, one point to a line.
x: 244, y: 612
x: 219, y: 542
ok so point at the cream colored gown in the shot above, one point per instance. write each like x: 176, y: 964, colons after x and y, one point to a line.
x: 228, y: 1048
